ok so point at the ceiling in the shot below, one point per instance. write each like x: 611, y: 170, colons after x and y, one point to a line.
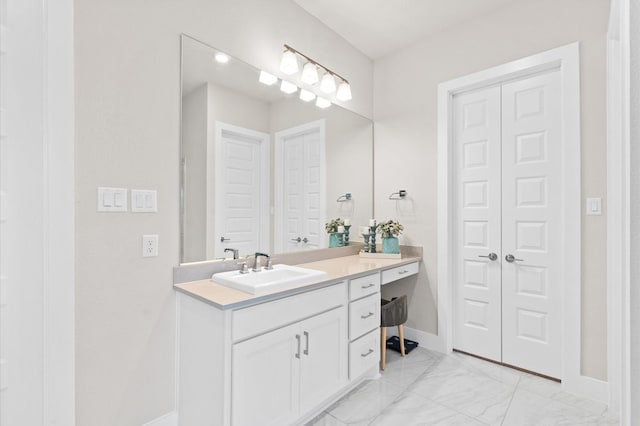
x: 378, y: 27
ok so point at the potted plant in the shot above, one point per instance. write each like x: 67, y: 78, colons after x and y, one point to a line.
x: 334, y: 232
x: 389, y: 232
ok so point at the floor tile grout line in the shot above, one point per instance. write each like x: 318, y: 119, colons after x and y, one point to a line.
x: 515, y: 389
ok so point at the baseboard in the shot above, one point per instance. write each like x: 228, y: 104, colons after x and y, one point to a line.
x: 424, y: 339
x: 587, y: 387
x: 169, y: 419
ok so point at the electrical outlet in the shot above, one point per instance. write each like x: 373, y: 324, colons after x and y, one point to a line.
x: 149, y: 245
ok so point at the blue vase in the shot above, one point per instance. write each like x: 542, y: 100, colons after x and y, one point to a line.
x: 390, y: 245
x: 334, y: 240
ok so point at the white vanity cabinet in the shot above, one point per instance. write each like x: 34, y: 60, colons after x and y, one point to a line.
x: 265, y: 364
x: 364, y: 323
x: 283, y: 374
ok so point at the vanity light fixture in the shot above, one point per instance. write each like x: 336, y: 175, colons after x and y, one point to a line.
x: 306, y: 95
x: 328, y: 84
x: 287, y: 87
x: 344, y: 92
x: 323, y: 103
x: 266, y: 78
x: 222, y: 58
x: 289, y: 66
x: 309, y: 74
x: 289, y: 62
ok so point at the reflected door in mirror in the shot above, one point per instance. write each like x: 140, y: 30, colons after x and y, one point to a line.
x: 241, y: 190
x: 300, y: 158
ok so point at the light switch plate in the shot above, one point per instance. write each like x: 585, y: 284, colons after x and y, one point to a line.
x: 112, y: 199
x: 594, y: 206
x: 144, y: 201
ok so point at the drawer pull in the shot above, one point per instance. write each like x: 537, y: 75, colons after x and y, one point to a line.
x: 298, y: 339
x: 370, y: 314
x: 306, y: 350
x: 367, y: 354
x: 368, y: 286
x: 402, y: 272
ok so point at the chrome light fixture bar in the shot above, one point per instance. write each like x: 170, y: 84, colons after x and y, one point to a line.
x: 289, y: 66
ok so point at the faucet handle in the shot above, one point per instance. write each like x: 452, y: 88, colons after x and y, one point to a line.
x: 268, y: 266
x: 244, y: 265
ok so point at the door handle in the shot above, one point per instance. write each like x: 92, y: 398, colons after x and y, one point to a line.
x: 306, y: 349
x: 298, y: 339
x: 511, y: 258
x: 297, y: 240
x: 491, y: 256
x: 223, y: 239
x: 305, y: 240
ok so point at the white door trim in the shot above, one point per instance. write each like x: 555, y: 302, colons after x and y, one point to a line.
x: 566, y: 59
x: 618, y: 211
x: 213, y: 154
x: 278, y: 224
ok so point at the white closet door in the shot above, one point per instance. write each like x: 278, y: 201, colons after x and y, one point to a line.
x: 531, y: 212
x: 314, y: 159
x: 476, y: 287
x: 293, y: 192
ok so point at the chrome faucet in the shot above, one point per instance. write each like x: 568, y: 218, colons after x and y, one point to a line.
x: 235, y: 252
x: 256, y: 264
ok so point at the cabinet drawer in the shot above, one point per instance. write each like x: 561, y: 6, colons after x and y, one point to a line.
x: 364, y: 286
x: 267, y: 316
x: 364, y: 354
x: 364, y: 315
x: 399, y: 272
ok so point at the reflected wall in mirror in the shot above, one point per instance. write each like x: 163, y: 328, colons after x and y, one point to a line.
x: 262, y: 170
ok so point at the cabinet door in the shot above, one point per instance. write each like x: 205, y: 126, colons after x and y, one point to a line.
x: 265, y: 378
x: 323, y: 363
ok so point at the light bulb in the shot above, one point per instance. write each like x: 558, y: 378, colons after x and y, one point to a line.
x: 344, y: 92
x: 309, y: 74
x: 222, y: 58
x: 287, y: 87
x: 289, y: 63
x: 328, y: 84
x: 323, y: 103
x: 266, y: 78
x: 306, y: 95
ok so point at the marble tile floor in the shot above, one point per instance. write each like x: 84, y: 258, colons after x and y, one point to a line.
x: 430, y: 388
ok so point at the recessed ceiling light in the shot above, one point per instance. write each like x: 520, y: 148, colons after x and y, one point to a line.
x: 222, y: 58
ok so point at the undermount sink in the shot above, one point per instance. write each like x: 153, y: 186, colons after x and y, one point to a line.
x: 268, y: 280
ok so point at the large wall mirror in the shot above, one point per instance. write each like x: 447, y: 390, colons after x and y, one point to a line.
x: 262, y: 170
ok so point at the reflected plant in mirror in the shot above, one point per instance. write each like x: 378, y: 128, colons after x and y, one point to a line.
x: 261, y: 169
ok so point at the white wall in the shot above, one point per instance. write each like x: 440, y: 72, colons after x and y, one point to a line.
x: 127, y: 134
x: 635, y: 208
x: 405, y: 101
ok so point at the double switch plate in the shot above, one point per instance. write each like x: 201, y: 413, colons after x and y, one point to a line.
x: 116, y: 200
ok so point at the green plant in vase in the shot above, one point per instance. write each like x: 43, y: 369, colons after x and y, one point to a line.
x: 333, y: 228
x: 389, y: 232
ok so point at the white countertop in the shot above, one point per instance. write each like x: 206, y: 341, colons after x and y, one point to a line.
x: 337, y: 268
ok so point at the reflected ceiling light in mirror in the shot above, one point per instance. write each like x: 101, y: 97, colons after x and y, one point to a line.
x: 289, y: 65
x: 289, y: 62
x: 328, y: 84
x: 344, y: 92
x: 266, y: 78
x: 323, y: 103
x: 287, y: 87
x: 309, y: 74
x: 306, y: 95
x: 222, y: 58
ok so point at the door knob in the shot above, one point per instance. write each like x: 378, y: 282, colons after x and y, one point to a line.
x: 511, y: 258
x: 305, y: 240
x: 223, y: 239
x: 490, y: 256
x: 297, y: 240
